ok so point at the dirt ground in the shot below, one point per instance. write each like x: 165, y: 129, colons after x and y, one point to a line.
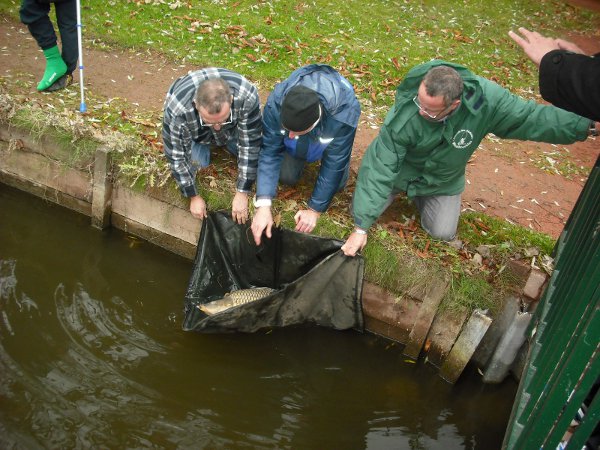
x: 504, y: 177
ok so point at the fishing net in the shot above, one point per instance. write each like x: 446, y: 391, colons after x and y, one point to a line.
x: 314, y: 282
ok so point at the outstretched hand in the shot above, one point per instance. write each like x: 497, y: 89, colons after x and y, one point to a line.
x: 239, y: 207
x: 198, y: 207
x: 569, y: 46
x: 354, y: 244
x: 306, y: 220
x: 536, y: 46
x: 262, y: 221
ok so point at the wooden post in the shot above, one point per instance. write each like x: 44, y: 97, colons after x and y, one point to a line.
x: 102, y: 189
x: 425, y: 317
x: 465, y: 346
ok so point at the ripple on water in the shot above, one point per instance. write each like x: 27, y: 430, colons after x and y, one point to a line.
x: 109, y: 331
x: 68, y: 374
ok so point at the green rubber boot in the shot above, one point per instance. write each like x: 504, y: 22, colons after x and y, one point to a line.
x: 55, y: 68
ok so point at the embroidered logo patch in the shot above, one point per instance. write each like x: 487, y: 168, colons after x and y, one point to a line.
x: 462, y: 139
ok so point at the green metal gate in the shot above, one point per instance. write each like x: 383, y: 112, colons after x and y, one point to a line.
x: 563, y: 364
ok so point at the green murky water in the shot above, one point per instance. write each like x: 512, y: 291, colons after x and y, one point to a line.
x: 92, y: 356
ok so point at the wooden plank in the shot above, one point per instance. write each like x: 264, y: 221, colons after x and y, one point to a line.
x: 102, y: 190
x: 386, y: 315
x: 46, y: 193
x: 427, y: 312
x: 165, y: 241
x: 41, y: 171
x: 465, y: 346
x: 161, y: 216
x: 444, y: 332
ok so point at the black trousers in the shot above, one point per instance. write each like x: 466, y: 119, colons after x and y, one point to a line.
x: 35, y: 14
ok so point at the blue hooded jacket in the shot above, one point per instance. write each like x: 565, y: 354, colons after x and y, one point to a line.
x: 330, y: 141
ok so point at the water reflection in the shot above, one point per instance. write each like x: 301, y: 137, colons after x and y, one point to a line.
x: 92, y: 356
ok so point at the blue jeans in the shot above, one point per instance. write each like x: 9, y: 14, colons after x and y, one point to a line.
x: 201, y: 152
x: 292, y: 169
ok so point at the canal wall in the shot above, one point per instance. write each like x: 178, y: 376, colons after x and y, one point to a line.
x: 447, y: 339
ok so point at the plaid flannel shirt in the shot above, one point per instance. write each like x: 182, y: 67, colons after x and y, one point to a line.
x: 181, y: 126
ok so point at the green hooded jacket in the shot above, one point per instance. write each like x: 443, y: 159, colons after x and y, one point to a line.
x: 424, y: 158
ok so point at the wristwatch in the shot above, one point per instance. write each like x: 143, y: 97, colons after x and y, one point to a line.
x: 360, y: 231
x: 592, y: 130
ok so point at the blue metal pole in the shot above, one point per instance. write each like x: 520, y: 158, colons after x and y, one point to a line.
x: 82, y: 106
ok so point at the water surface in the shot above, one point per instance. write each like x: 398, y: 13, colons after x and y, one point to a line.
x: 92, y: 356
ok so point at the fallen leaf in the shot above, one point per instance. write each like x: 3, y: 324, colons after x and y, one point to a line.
x: 427, y: 345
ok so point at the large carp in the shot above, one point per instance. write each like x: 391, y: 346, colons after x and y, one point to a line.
x: 235, y: 298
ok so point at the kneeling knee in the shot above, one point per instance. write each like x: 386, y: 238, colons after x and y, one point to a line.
x: 443, y: 234
x: 288, y: 180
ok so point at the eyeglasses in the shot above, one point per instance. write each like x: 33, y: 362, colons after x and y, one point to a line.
x: 228, y: 121
x: 431, y: 116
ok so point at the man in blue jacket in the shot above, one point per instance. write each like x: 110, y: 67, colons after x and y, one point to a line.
x: 311, y: 116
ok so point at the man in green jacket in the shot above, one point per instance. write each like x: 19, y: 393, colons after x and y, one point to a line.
x: 441, y: 114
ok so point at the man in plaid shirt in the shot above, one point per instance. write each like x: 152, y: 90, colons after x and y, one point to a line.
x: 208, y: 107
